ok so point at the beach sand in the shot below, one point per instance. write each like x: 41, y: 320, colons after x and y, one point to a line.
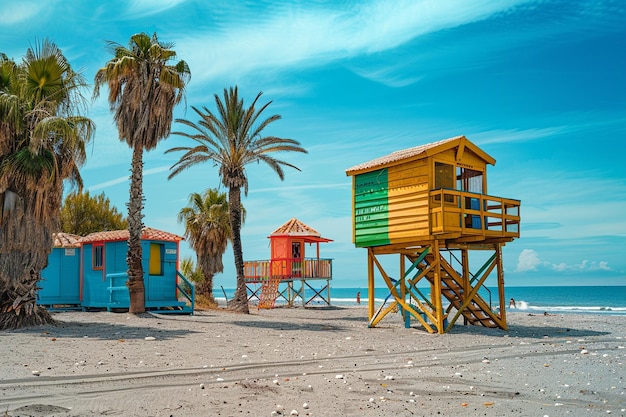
x: 316, y: 361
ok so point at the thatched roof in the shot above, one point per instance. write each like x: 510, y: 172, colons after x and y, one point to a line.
x: 148, y: 233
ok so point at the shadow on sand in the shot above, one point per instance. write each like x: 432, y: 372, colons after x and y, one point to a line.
x: 526, y: 331
x: 286, y: 325
x: 106, y: 331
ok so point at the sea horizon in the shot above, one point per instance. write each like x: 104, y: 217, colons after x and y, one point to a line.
x: 554, y: 299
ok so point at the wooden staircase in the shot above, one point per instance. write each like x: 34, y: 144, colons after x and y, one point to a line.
x: 476, y: 310
x: 269, y: 292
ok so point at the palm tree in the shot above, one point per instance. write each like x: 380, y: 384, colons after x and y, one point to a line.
x: 231, y: 139
x: 143, y: 90
x: 207, y: 228
x: 42, y: 144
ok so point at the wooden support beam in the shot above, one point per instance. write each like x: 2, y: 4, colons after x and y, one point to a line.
x: 466, y: 278
x: 370, y: 283
x: 502, y: 310
x: 437, y: 289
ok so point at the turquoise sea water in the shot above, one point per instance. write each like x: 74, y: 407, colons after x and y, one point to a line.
x: 562, y: 299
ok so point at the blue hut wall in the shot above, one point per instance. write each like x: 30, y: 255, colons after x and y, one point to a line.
x: 159, y: 271
x: 60, y: 282
x: 160, y: 276
x: 98, y: 290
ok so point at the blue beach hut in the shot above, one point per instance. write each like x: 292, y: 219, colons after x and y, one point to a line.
x: 60, y: 283
x: 103, y: 272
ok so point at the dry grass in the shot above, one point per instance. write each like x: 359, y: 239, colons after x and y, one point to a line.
x: 203, y: 303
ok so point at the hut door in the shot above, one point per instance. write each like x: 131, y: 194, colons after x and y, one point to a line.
x: 296, y: 259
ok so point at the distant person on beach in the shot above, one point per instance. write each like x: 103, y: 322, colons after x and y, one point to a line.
x: 512, y: 303
x: 358, y: 297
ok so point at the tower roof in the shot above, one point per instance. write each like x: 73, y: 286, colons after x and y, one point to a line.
x: 295, y: 227
x: 420, y: 152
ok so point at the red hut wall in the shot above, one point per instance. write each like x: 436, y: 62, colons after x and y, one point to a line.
x: 286, y: 255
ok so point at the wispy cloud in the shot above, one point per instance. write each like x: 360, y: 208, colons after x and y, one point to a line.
x: 516, y: 135
x: 144, y: 8
x: 126, y: 179
x: 109, y: 183
x: 325, y: 186
x: 290, y: 37
x: 14, y: 13
x: 573, y: 123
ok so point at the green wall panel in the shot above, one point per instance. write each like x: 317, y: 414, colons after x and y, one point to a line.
x: 371, y: 209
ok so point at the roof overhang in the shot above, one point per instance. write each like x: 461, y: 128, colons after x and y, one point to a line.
x: 420, y: 152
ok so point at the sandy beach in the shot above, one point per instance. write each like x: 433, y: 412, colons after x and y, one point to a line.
x: 311, y: 362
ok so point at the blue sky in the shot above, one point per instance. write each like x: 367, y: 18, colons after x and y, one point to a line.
x: 539, y: 85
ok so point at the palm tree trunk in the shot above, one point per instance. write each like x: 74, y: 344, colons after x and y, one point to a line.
x: 18, y: 305
x: 135, y: 226
x: 22, y: 257
x: 206, y: 289
x: 240, y: 299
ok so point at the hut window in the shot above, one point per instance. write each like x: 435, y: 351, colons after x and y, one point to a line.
x: 469, y: 180
x: 98, y: 256
x: 156, y: 259
x: 444, y: 178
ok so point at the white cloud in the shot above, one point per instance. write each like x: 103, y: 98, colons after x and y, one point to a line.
x: 585, y: 265
x: 528, y: 261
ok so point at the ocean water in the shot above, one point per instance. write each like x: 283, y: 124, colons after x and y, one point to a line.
x: 533, y: 300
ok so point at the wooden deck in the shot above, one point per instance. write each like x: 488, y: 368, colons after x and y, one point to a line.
x: 264, y: 279
x: 287, y: 269
x: 469, y: 217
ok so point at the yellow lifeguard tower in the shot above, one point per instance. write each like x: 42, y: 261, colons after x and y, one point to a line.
x: 424, y: 203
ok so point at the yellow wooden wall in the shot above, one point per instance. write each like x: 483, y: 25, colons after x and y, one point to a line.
x: 408, y: 200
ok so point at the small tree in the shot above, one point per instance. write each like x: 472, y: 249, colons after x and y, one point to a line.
x: 189, y: 270
x: 82, y: 214
x: 207, y: 228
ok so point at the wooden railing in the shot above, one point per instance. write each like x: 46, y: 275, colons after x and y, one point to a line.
x: 288, y: 268
x: 186, y: 289
x: 453, y: 211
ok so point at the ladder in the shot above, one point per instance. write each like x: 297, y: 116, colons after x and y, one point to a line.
x: 478, y: 311
x: 269, y: 292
